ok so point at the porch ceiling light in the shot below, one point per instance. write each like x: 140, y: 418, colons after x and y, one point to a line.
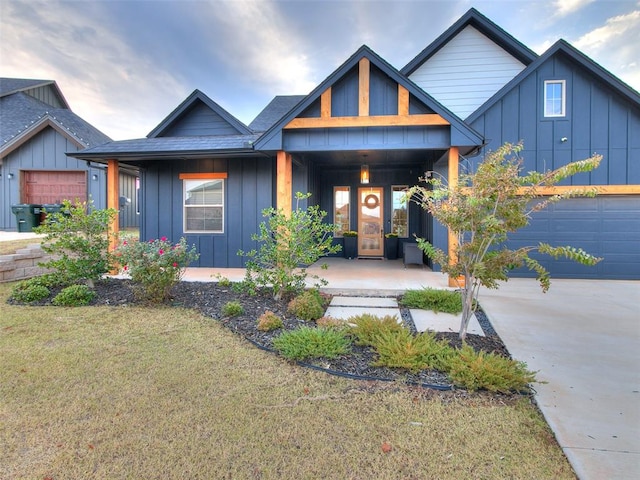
x: 364, y: 174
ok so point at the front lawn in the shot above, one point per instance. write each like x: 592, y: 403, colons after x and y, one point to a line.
x: 132, y: 392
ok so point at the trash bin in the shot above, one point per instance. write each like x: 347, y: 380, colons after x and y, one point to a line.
x: 48, y: 208
x: 27, y: 216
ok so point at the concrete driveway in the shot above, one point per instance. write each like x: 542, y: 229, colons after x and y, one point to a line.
x: 583, y: 336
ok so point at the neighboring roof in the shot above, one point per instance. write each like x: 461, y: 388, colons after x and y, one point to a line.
x: 474, y: 18
x: 9, y: 86
x: 273, y: 112
x: 470, y: 135
x: 156, y: 148
x: 197, y: 96
x: 562, y: 46
x: 22, y: 116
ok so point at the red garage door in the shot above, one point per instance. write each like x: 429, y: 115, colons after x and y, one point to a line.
x: 42, y: 187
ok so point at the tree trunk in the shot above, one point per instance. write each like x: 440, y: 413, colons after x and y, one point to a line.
x: 467, y: 306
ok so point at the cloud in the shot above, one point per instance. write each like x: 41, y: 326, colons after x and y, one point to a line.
x: 615, y: 46
x: 259, y: 46
x: 563, y: 8
x: 101, y: 79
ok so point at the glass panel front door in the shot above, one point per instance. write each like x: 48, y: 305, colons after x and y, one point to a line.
x: 370, y: 226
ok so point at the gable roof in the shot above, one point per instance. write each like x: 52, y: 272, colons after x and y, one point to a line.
x: 9, y: 86
x: 475, y: 19
x: 187, y: 104
x: 23, y: 116
x: 274, y: 111
x: 460, y: 127
x: 562, y: 47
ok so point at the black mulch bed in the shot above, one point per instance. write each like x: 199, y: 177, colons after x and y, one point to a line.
x: 209, y: 298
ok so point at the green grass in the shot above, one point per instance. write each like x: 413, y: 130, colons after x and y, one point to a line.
x: 122, y: 392
x: 11, y: 246
x: 446, y: 301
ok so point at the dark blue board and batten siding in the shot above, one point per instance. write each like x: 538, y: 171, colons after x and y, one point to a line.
x: 198, y: 121
x: 599, y: 121
x: 249, y: 188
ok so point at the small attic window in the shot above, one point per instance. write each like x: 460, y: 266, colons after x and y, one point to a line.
x: 555, y: 98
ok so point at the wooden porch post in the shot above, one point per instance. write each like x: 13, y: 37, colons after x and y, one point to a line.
x: 452, y: 239
x: 113, y: 195
x: 284, y: 182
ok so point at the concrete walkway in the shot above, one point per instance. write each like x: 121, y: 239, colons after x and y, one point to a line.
x: 583, y: 338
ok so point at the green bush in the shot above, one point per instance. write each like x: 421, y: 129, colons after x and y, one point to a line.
x: 446, y: 301
x: 366, y: 327
x: 330, y: 322
x: 269, y: 321
x: 223, y: 281
x: 29, y: 291
x: 288, y: 243
x: 78, y: 240
x: 155, y: 266
x: 306, y: 342
x: 307, y: 306
x: 74, y: 296
x: 232, y: 309
x: 474, y: 370
x: 402, y: 349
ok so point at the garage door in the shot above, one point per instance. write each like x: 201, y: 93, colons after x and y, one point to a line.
x: 607, y: 226
x: 42, y: 187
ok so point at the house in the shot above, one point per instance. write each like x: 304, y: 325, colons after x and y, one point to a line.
x: 37, y: 129
x: 370, y: 130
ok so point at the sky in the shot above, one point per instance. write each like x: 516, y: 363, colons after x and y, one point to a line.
x: 124, y: 65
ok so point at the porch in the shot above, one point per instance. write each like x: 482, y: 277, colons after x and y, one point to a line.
x: 358, y: 277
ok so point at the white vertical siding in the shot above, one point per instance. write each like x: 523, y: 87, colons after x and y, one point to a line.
x: 466, y: 72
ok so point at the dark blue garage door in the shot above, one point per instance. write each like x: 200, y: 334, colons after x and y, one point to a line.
x: 606, y: 226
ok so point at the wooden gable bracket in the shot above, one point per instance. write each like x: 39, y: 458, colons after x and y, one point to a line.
x: 402, y: 119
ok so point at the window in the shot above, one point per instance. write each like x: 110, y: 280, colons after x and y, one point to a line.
x: 341, y: 209
x: 399, y: 211
x: 203, y: 203
x: 554, y: 98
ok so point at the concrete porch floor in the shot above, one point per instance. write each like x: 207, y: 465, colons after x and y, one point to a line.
x: 358, y: 277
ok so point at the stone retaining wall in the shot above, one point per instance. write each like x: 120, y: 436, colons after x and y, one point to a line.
x: 22, y: 264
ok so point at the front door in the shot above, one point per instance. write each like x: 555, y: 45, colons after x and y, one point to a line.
x: 370, y: 226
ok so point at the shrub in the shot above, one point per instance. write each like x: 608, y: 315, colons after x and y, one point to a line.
x: 307, y: 306
x: 232, y: 309
x: 155, y: 266
x: 474, y: 370
x: 289, y: 242
x: 366, y: 327
x: 446, y: 301
x: 330, y: 322
x: 269, y: 321
x: 29, y: 292
x: 74, y: 296
x: 78, y: 240
x: 223, y: 281
x: 306, y: 342
x: 402, y: 349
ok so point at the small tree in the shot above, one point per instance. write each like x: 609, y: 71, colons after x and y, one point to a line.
x: 288, y: 245
x: 78, y: 239
x: 483, y: 208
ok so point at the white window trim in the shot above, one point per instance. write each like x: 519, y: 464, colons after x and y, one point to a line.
x: 335, y: 220
x: 563, y: 84
x: 185, y: 178
x: 396, y: 188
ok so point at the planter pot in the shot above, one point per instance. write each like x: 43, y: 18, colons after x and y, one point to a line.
x: 350, y: 247
x: 391, y: 248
